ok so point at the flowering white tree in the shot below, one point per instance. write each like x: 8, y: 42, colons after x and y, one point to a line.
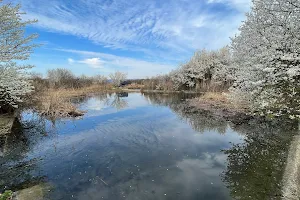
x: 222, y: 69
x: 178, y: 77
x: 267, y: 58
x: 14, y: 45
x: 203, y: 68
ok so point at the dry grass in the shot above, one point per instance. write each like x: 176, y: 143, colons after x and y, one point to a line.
x: 217, y: 101
x: 215, y: 96
x: 55, y: 104
x: 134, y: 86
x: 70, y: 92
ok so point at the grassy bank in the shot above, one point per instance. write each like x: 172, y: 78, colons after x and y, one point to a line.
x: 55, y: 103
x: 169, y: 91
x: 73, y: 92
x: 219, y: 104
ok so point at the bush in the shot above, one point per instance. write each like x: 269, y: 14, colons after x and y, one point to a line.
x: 64, y: 78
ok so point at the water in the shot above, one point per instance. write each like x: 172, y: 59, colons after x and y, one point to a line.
x: 140, y: 146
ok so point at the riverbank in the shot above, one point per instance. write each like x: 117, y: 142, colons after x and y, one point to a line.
x: 170, y: 92
x: 73, y: 92
x: 55, y: 103
x: 219, y: 104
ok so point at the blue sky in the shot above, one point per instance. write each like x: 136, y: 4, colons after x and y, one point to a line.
x: 140, y: 37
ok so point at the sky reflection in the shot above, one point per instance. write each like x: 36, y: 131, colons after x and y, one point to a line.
x: 142, y: 151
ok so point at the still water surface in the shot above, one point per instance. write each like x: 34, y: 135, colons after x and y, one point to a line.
x: 140, y: 146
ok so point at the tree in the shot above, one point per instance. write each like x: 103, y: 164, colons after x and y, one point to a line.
x: 117, y: 78
x: 61, y: 77
x: 14, y: 45
x: 204, y: 69
x: 267, y: 58
x: 100, y: 79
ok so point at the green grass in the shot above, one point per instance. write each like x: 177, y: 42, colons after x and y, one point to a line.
x: 7, y: 195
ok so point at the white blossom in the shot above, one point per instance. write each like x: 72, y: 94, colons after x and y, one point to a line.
x: 266, y: 56
x: 203, y: 68
x: 14, y: 45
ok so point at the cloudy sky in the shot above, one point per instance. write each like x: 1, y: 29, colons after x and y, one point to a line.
x: 140, y: 37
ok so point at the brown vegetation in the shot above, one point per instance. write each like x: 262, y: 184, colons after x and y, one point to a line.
x: 53, y: 103
x: 166, y: 84
x: 134, y: 86
x: 219, y: 104
x: 73, y: 92
x: 52, y: 95
x: 56, y: 102
x: 161, y: 83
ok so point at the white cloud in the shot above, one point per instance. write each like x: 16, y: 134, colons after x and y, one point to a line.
x: 136, y: 68
x: 70, y: 61
x: 241, y: 5
x: 176, y: 27
x: 92, y: 62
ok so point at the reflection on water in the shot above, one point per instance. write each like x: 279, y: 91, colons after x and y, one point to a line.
x: 17, y: 170
x: 255, y: 167
x: 145, y: 146
x: 201, y: 121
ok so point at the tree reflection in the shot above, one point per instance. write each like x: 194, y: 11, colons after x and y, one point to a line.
x: 201, y: 121
x: 102, y: 96
x: 255, y: 167
x: 117, y: 100
x: 16, y: 170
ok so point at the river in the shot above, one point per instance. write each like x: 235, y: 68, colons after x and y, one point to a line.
x: 145, y: 146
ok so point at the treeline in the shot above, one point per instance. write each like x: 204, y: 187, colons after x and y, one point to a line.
x: 266, y: 56
x: 64, y: 78
x: 205, y: 71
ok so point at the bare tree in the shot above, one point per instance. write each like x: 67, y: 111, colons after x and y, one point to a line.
x: 60, y: 77
x: 117, y: 78
x: 99, y: 79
